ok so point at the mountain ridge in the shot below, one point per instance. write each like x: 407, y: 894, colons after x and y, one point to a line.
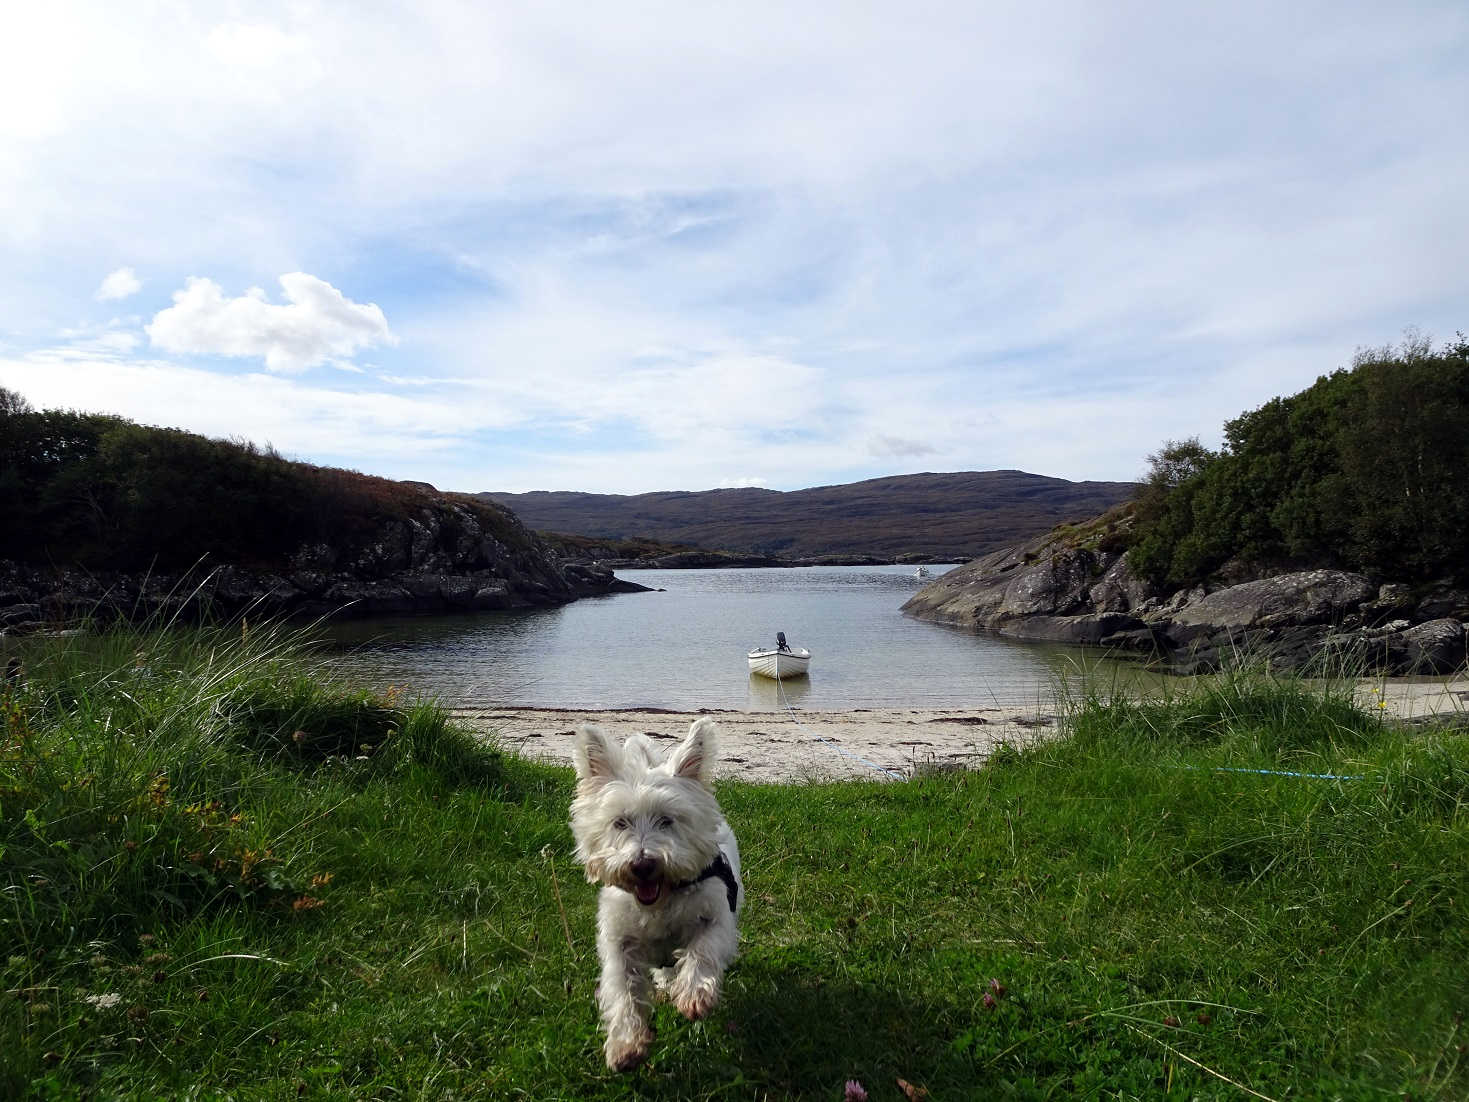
x: 939, y: 516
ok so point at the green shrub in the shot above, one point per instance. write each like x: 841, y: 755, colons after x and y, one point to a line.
x: 1363, y: 471
x: 102, y: 492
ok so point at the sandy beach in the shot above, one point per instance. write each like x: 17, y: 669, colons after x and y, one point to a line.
x: 777, y: 747
x: 875, y: 743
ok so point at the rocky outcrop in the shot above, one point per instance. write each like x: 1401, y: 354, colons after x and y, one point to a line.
x: 443, y: 556
x: 1050, y: 590
x: 1284, y: 601
x: 1037, y: 592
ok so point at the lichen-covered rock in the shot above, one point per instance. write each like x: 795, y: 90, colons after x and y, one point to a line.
x: 1054, y: 585
x: 1435, y: 647
x: 459, y: 591
x: 1393, y: 600
x: 1120, y: 590
x: 1011, y: 585
x: 1089, y: 629
x: 12, y: 615
x: 1287, y: 600
x: 1047, y: 591
x: 1443, y: 600
x: 420, y: 542
x: 315, y: 558
x: 494, y: 596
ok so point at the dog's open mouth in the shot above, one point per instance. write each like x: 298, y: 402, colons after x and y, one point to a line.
x: 648, y: 892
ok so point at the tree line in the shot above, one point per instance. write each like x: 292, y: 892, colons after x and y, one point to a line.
x: 1367, y: 470
x: 100, y: 491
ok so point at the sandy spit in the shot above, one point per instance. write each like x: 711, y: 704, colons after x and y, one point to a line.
x: 877, y: 743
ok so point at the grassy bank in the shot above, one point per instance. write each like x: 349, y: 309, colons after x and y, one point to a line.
x: 223, y: 874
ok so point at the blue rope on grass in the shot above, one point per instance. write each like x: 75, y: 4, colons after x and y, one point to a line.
x: 1277, y: 773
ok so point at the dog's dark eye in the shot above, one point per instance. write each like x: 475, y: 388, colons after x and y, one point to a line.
x: 620, y: 824
x: 664, y: 822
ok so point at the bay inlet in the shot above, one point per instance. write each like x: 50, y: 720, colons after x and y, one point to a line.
x: 683, y: 647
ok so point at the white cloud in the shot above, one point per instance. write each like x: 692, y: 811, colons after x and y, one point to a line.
x: 106, y: 342
x: 111, y: 339
x: 326, y: 424
x: 320, y: 324
x: 745, y: 483
x: 118, y: 284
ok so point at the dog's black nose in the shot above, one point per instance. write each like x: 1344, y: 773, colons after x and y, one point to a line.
x: 644, y: 867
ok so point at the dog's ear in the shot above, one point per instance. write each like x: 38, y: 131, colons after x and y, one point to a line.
x: 597, y: 758
x: 693, y: 758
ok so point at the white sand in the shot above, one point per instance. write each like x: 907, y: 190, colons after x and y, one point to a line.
x: 878, y: 743
x: 775, y: 747
x: 1416, y: 698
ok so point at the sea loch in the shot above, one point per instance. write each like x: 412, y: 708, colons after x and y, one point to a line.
x: 684, y: 647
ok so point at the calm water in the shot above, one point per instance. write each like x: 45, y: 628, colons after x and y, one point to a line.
x: 685, y: 648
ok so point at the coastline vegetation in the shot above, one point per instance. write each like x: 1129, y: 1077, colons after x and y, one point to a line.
x: 222, y: 873
x: 1363, y: 470
x: 98, y: 491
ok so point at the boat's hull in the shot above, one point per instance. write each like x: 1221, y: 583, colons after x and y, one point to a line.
x: 779, y: 664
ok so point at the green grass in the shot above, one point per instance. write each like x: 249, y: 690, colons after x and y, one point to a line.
x: 298, y: 890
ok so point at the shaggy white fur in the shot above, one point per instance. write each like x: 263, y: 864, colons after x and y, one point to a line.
x: 651, y: 833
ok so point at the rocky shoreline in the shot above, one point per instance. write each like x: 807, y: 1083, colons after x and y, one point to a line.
x: 1048, y: 591
x: 443, y: 557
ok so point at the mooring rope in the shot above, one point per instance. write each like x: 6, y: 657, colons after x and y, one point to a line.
x: 780, y: 691
x: 1278, y: 773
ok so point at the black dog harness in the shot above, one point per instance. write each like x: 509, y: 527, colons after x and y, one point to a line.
x: 720, y: 868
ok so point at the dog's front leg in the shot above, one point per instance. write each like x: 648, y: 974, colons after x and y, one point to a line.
x: 701, y: 965
x: 625, y: 999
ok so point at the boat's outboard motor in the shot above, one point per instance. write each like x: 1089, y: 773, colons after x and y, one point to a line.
x: 780, y: 642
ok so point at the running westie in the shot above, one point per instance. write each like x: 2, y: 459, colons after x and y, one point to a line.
x: 651, y: 833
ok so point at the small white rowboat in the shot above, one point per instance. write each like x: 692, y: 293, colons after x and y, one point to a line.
x: 779, y: 661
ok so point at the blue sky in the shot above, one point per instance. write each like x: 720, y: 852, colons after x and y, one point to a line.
x: 649, y: 246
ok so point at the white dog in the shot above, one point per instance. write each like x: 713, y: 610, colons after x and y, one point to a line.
x: 651, y: 833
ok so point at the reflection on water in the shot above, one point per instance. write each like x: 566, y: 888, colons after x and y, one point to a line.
x: 767, y: 695
x: 685, y: 647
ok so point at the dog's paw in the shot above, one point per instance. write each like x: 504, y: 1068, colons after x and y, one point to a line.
x: 625, y: 1055
x: 695, y: 989
x: 696, y: 1001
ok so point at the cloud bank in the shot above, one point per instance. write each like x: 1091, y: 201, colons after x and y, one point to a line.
x: 672, y: 245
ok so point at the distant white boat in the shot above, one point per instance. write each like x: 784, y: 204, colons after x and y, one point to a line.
x: 779, y: 661
x: 921, y: 572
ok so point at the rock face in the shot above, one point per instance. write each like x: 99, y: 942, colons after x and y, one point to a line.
x: 1048, y: 591
x: 444, y: 556
x: 1284, y: 601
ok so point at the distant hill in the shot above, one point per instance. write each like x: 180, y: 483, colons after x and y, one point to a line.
x: 935, y: 517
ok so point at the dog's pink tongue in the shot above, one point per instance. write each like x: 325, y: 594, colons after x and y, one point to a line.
x: 648, y: 891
